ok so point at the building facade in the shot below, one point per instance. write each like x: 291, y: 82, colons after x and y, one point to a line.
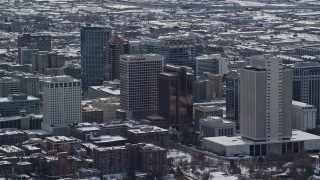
x: 233, y: 97
x: 9, y: 86
x: 213, y: 63
x: 216, y: 126
x: 61, y: 102
x: 175, y: 96
x: 93, y: 40
x: 306, y: 84
x: 115, y: 47
x: 13, y: 105
x: 139, y: 84
x: 304, y: 116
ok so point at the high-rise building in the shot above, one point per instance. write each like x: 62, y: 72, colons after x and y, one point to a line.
x: 175, y: 96
x: 303, y: 116
x: 266, y: 100
x: 93, y: 40
x: 213, y: 63
x: 233, y: 97
x: 265, y: 114
x: 306, y: 84
x: 61, y: 103
x: 115, y: 47
x: 180, y: 49
x: 139, y: 84
x: 9, y: 86
x: 26, y: 55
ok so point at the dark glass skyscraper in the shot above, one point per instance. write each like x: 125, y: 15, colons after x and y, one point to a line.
x: 233, y: 97
x: 175, y: 96
x: 115, y: 47
x: 93, y: 40
x: 306, y: 84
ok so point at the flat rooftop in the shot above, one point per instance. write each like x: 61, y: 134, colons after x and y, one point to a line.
x: 58, y: 139
x: 147, y: 129
x: 297, y: 135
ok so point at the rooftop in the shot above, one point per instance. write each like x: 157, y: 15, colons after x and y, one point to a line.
x: 58, y: 139
x: 147, y: 129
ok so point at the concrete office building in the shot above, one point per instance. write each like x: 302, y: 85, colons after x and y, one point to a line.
x: 216, y: 80
x: 44, y: 62
x: 115, y: 47
x: 109, y: 107
x: 61, y: 103
x: 201, y: 112
x: 9, y: 86
x: 203, y: 91
x: 306, y: 84
x: 216, y: 126
x: 13, y: 105
x: 93, y: 40
x: 265, y: 114
x: 213, y: 63
x: 139, y: 84
x: 233, y: 97
x: 303, y: 115
x: 175, y: 96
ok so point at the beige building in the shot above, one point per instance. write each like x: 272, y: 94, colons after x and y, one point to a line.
x: 109, y: 107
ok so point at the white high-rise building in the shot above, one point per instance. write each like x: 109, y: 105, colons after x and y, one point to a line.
x: 61, y: 103
x: 139, y: 84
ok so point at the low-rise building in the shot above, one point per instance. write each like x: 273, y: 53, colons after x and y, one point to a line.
x: 60, y: 144
x: 12, y: 137
x: 109, y: 107
x: 14, y: 104
x: 148, y: 134
x: 217, y: 126
x: 91, y: 114
x: 11, y: 151
x: 201, y: 112
x: 304, y: 116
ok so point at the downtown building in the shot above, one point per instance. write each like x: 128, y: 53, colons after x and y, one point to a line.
x: 306, y: 84
x: 115, y: 47
x: 139, y: 84
x: 93, y: 40
x: 233, y: 97
x: 175, y: 96
x: 265, y: 114
x: 61, y: 104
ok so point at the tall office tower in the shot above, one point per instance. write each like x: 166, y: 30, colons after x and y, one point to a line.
x: 180, y: 50
x: 217, y: 81
x: 43, y: 61
x: 8, y: 86
x: 233, y: 97
x: 175, y: 96
x: 266, y: 101
x: 93, y: 40
x: 306, y: 84
x: 61, y: 103
x: 115, y: 47
x: 139, y: 84
x: 213, y: 63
